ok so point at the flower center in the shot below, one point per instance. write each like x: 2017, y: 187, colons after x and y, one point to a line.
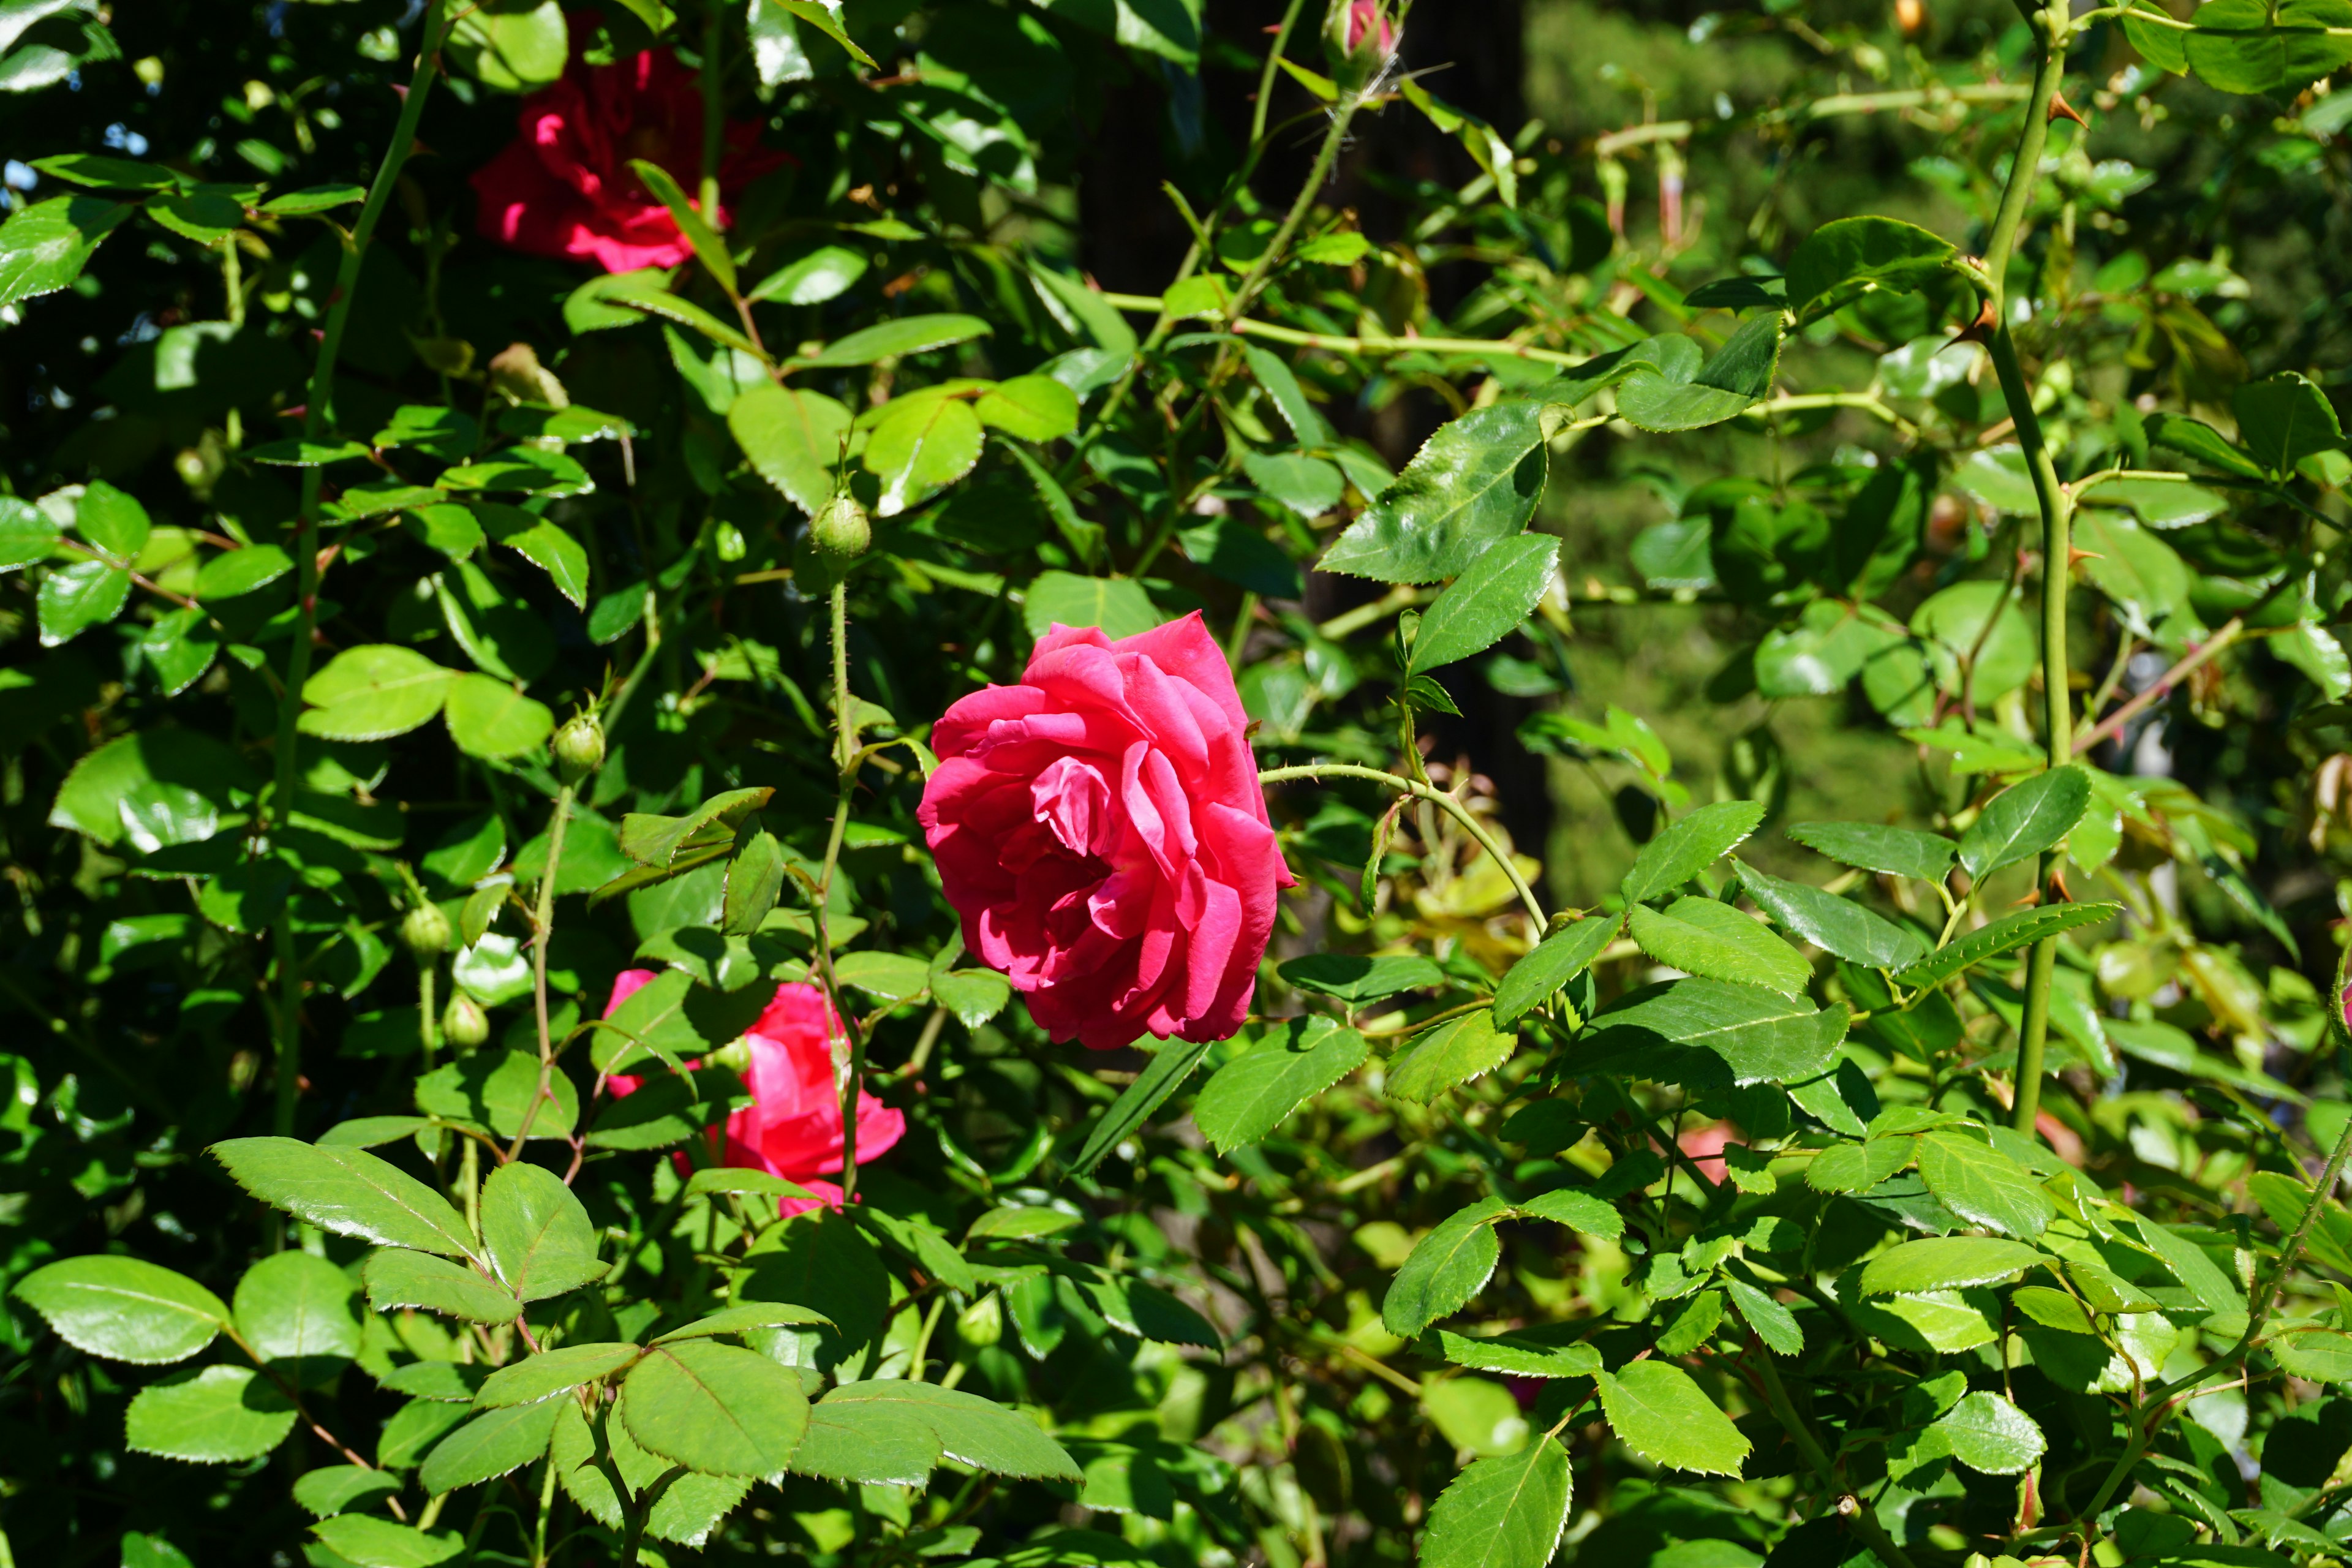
x: 1070, y: 798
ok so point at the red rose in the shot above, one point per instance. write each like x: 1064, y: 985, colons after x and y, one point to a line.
x: 563, y: 187
x: 793, y: 1129
x: 1101, y: 831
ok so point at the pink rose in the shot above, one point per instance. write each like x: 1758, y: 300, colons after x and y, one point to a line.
x: 565, y: 188
x: 1101, y: 831
x: 1364, y: 18
x: 793, y: 1129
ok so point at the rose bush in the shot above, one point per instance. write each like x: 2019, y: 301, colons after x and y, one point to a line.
x: 1100, y: 830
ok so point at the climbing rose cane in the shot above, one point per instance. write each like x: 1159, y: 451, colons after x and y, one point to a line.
x: 563, y: 187
x: 1100, y: 828
x: 793, y: 1128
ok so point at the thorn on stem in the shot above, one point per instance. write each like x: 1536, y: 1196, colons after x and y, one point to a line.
x: 2061, y: 109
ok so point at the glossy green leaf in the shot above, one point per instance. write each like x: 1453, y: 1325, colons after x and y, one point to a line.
x: 346, y: 1190
x: 43, y: 247
x: 896, y: 339
x: 1895, y: 852
x: 919, y: 446
x: 1738, y: 375
x: 1702, y: 937
x: 2250, y: 46
x: 1473, y: 483
x: 237, y: 572
x: 1486, y: 602
x: 125, y: 1309
x: 747, y: 1315
x: 208, y: 1415
x: 1774, y: 1323
x: 686, y: 1513
x: 1858, y: 1167
x: 1579, y: 1210
x: 1169, y: 1066
x: 2025, y: 819
x: 541, y: 1240
x: 299, y: 1313
x: 510, y: 48
x: 1455, y: 1051
x: 1836, y: 925
x: 335, y: 1488
x: 2132, y: 566
x: 708, y: 247
x: 2003, y: 935
x: 491, y: 1444
x: 1984, y: 1185
x: 1032, y: 407
x: 714, y: 1408
x: 1689, y: 846
x: 2285, y: 418
x: 1762, y: 1036
x: 826, y: 273
x: 317, y: 199
x: 1306, y: 485
x: 1657, y: 1410
x: 27, y: 533
x: 397, y: 1279
x: 369, y: 1541
x: 1851, y: 255
x: 1557, y: 960
x: 79, y: 595
x: 98, y: 170
x: 542, y: 543
x: 1359, y: 981
x: 1251, y: 1095
x: 861, y: 1426
x: 1947, y: 1263
x: 488, y: 718
x: 826, y: 20
x: 1449, y: 1266
x: 1507, y: 1511
x: 1530, y: 1352
x: 374, y: 691
x: 1990, y: 1433
x: 1117, y: 605
x: 2195, y: 439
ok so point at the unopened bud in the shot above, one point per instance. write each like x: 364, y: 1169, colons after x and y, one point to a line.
x: 735, y: 1056
x: 841, y: 529
x: 425, y: 932
x: 463, y: 1023
x: 579, y: 748
x: 1359, y: 40
x: 982, y: 1322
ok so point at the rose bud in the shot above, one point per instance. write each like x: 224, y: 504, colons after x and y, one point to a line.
x: 982, y: 1322
x: 425, y: 932
x: 1100, y: 829
x: 463, y: 1022
x: 841, y: 529
x: 793, y: 1128
x: 1359, y: 40
x: 579, y: 748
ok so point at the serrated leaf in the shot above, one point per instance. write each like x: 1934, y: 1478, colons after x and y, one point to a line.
x: 919, y: 446
x: 1453, y: 1053
x: 368, y: 1542
x: 541, y: 542
x: 541, y: 1239
x: 373, y: 692
x: 746, y: 1316
x: 2003, y: 935
x: 1473, y: 483
x: 488, y: 718
x: 1502, y: 1512
x: 1557, y: 960
x: 125, y: 1309
x: 1836, y: 925
x: 1494, y: 594
x: 1450, y: 1264
x: 491, y: 1444
x: 1662, y: 1415
x: 1116, y: 605
x: 1848, y: 256
x: 657, y: 840
x: 1981, y: 1184
x: 1032, y: 407
x: 1248, y: 1097
x: 1532, y: 1352
x: 2030, y: 816
x: 1169, y: 1066
x: 395, y: 1279
x: 346, y: 1190
x: 687, y: 1511
x: 1947, y: 1263
x: 1738, y: 375
x: 43, y: 247
x: 1895, y: 851
x: 897, y: 339
x: 1359, y: 981
x: 1773, y: 1322
x: 1858, y: 1167
x: 714, y: 1408
x: 1689, y: 846
x: 208, y: 1415
x: 1579, y: 1210
x: 1990, y: 1433
x: 1702, y: 937
x: 963, y: 1426
x: 1762, y: 1036
x: 298, y: 1314
x: 550, y: 1373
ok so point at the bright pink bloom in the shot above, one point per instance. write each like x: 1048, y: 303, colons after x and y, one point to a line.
x: 793, y: 1129
x: 1365, y: 16
x: 1101, y: 830
x: 565, y: 188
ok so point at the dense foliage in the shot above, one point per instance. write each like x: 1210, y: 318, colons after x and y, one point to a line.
x: 505, y: 510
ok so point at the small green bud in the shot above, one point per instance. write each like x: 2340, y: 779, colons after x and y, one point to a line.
x: 463, y: 1023
x: 842, y: 531
x: 579, y: 748
x: 735, y: 1056
x: 425, y: 932
x: 982, y: 1322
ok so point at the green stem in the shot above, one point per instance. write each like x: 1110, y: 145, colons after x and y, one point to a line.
x: 428, y: 1022
x: 542, y: 928
x: 315, y: 422
x: 2056, y: 509
x: 1436, y: 797
x: 1272, y: 62
x: 642, y: 1510
x: 1262, y: 269
x: 1853, y: 1510
x: 845, y: 731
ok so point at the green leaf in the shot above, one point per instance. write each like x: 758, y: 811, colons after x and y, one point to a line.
x: 369, y: 1541
x: 1858, y: 1167
x: 510, y: 48
x: 1308, y: 485
x: 1502, y: 1512
x: 205, y: 215
x: 708, y: 246
x: 2053, y: 1309
x: 550, y: 1373
x: 2143, y: 575
x: 1983, y: 1184
x: 2284, y: 419
x: 658, y: 840
x: 1690, y: 846
x: 1702, y: 937
x: 1763, y: 1036
x: 1852, y: 255
x: 2249, y: 47
x: 896, y: 1416
x: 346, y: 1190
x: 1032, y: 407
x: 1280, y: 385
x: 748, y: 1315
x: 2025, y: 819
x: 1169, y: 1066
x: 374, y: 691
x: 645, y: 292
x: 324, y: 1493
x: 2003, y: 935
x: 26, y: 534
x: 1836, y: 925
x: 395, y: 1277
x: 826, y: 273
x: 491, y: 1444
x: 791, y: 438
x: 669, y: 1108
x: 543, y: 544
x: 317, y: 199
x: 1359, y: 981
x: 1546, y: 1351
x: 113, y: 521
x: 495, y: 1086
x: 825, y: 20
x: 541, y: 1240
x: 98, y: 170
x: 43, y: 247
x: 125, y: 1309
x: 754, y: 880
x: 1662, y: 1415
x: 1472, y: 484
x: 1773, y: 1322
x: 919, y: 446
x: 973, y: 996
x: 1988, y: 1433
x: 1486, y: 602
x: 208, y: 1415
x: 240, y: 572
x: 1895, y: 851
x: 79, y: 595
x: 653, y: 1021
x: 716, y: 1409
x: 1248, y: 1097
x: 1579, y: 1211
x: 1738, y: 375
x: 1947, y: 1263
x: 299, y: 1313
x: 1117, y: 605
x: 893, y: 978
x: 687, y: 1512
x: 1557, y: 960
x: 1459, y: 1050
x: 178, y: 649
x: 896, y: 339
x: 1450, y: 1264
x: 2195, y: 439
x: 488, y: 718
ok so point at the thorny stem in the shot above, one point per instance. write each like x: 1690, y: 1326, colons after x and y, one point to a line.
x: 542, y: 928
x: 1434, y: 797
x: 844, y: 750
x: 306, y: 550
x: 1273, y: 63
x: 1254, y: 279
x: 2056, y: 509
